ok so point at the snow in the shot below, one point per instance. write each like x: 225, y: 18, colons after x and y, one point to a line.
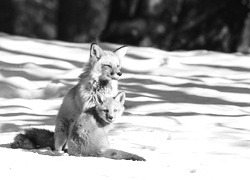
x: 187, y: 112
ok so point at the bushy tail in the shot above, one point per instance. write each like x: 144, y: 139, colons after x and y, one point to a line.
x: 42, y: 138
x: 118, y: 155
x: 34, y: 139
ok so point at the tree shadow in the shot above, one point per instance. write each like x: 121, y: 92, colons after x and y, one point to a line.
x: 136, y: 89
x: 75, y: 63
x: 174, y: 114
x: 20, y: 66
x: 11, y: 126
x: 223, y: 125
x: 233, y: 68
x: 81, y: 46
x: 229, y: 89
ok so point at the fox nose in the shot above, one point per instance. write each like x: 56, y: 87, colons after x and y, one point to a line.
x: 110, y: 117
x: 119, y: 73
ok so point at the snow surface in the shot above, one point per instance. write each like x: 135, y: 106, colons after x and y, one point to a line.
x: 187, y: 112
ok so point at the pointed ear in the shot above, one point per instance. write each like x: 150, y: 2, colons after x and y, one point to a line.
x: 120, y: 97
x: 121, y: 51
x: 95, y: 51
x: 100, y: 98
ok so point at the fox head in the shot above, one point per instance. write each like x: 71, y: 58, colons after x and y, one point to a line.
x: 106, y: 65
x: 110, y: 108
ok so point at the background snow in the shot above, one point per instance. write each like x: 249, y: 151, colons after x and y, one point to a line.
x: 186, y: 112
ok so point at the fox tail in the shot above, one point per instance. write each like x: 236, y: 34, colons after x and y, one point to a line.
x: 42, y: 138
x: 34, y: 139
x: 118, y: 155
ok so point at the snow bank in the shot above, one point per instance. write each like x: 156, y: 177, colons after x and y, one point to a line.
x: 186, y: 112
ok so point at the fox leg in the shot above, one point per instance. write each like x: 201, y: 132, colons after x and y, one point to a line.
x: 60, y: 137
x: 118, y: 155
x: 60, y: 141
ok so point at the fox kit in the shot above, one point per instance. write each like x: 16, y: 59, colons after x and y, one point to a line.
x: 100, y: 75
x: 87, y: 134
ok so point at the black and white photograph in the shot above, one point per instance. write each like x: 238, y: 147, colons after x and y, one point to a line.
x: 125, y: 89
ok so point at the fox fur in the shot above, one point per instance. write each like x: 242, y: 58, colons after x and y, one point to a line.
x: 87, y: 134
x: 34, y: 138
x: 100, y: 75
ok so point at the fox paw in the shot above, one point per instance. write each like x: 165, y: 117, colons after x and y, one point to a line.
x: 137, y: 158
x: 60, y: 153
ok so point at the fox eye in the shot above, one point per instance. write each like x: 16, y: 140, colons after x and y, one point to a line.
x: 115, y: 110
x: 108, y: 65
x: 105, y: 110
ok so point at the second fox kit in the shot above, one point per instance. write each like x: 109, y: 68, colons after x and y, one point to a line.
x: 101, y: 75
x: 87, y: 134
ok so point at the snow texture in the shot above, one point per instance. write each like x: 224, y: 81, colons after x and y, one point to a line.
x: 187, y: 112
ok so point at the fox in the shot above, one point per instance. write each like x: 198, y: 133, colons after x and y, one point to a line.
x: 88, y: 133
x: 100, y: 75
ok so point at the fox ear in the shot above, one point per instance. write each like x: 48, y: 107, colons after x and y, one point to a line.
x: 100, y: 98
x: 120, y: 97
x: 121, y: 51
x: 95, y: 51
